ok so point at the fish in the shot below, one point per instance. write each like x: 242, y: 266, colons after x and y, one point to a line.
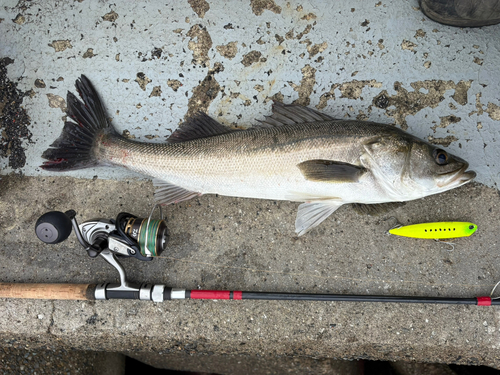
x: 296, y: 154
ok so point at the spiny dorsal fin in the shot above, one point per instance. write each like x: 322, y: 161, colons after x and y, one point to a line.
x: 330, y: 171
x: 199, y: 126
x: 288, y: 114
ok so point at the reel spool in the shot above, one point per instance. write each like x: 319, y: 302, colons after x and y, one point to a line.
x: 151, y: 235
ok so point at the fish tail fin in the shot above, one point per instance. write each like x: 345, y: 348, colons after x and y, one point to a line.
x: 77, y: 145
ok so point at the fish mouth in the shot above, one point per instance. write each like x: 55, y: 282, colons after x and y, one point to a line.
x: 456, y: 178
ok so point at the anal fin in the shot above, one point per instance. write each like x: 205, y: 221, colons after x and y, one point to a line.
x: 312, y: 214
x: 167, y: 193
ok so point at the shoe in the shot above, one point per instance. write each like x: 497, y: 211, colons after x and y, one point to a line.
x: 462, y: 13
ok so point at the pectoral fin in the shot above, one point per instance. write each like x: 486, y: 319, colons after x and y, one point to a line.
x: 312, y: 214
x: 330, y: 171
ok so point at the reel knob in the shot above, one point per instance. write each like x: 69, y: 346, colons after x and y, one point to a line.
x: 53, y: 227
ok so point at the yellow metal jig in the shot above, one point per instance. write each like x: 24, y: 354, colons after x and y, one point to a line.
x: 437, y: 231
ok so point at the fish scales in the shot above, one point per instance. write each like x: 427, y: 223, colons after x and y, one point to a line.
x: 228, y: 164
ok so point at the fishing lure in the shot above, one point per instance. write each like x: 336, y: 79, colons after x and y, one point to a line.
x: 437, y: 231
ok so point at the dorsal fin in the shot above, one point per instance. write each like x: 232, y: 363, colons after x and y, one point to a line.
x: 288, y: 114
x: 199, y: 126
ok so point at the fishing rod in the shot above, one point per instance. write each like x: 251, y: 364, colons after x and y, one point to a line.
x: 144, y: 239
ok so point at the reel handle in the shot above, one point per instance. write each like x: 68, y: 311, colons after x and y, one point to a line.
x: 54, y: 226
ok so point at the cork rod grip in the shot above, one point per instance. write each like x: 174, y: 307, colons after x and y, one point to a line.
x: 48, y: 291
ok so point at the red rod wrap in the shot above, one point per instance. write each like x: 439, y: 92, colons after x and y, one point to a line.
x: 483, y: 301
x: 210, y: 294
x: 237, y: 295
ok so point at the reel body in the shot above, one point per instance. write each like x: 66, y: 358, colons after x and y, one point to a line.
x: 126, y: 236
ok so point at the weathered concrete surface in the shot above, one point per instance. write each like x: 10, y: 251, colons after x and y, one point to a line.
x: 249, y: 244
x: 156, y: 63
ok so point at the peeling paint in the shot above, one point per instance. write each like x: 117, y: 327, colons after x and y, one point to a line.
x: 493, y: 111
x: 200, y: 7
x: 19, y: 19
x: 142, y: 80
x: 306, y: 85
x: 354, y: 89
x: 251, y: 58
x: 89, y: 53
x: 204, y: 93
x: 445, y: 142
x: 406, y: 44
x: 174, y: 84
x: 445, y: 121
x: 156, y: 91
x: 229, y: 50
x: 259, y: 6
x: 110, y: 17
x: 39, y: 83
x: 407, y: 103
x: 420, y: 33
x: 201, y: 46
x: 60, y: 45
x: 55, y: 101
x: 316, y: 48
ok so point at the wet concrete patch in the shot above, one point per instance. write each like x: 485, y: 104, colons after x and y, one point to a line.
x: 14, y: 121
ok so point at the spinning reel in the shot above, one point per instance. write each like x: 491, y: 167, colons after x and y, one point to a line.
x: 126, y: 236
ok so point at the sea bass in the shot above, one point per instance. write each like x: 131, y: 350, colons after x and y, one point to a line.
x: 296, y: 154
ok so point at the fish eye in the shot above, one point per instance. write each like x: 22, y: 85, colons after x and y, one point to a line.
x: 440, y: 156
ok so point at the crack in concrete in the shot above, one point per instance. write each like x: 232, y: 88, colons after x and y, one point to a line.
x: 49, y: 328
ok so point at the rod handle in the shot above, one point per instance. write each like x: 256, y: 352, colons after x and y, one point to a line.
x: 82, y: 292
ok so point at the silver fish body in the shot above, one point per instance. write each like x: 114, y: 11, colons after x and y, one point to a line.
x: 296, y: 154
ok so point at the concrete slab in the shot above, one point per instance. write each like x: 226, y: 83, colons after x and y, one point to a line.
x: 154, y: 64
x: 220, y: 243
